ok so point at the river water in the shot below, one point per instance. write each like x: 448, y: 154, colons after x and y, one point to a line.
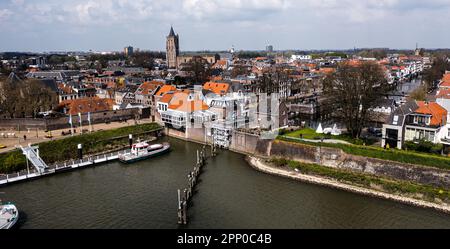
x: 230, y: 195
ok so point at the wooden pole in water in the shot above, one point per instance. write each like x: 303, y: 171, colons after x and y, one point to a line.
x: 198, y: 157
x: 179, y: 200
x: 179, y: 211
x: 185, y: 213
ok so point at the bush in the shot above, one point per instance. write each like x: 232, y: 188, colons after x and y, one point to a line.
x: 279, y: 162
x: 423, y: 146
x: 282, y: 132
x: 12, y: 162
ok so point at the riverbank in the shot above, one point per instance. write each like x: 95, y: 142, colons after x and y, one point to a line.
x: 261, y: 165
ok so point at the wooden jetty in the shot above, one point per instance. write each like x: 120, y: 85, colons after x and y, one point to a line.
x: 58, y: 168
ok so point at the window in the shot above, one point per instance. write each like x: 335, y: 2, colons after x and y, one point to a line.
x: 395, y: 122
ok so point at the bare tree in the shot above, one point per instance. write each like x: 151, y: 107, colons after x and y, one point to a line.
x: 199, y: 68
x: 352, y: 91
x: 27, y: 98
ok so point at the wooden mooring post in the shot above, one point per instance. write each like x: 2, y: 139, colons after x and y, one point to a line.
x: 186, y: 196
x: 182, y: 210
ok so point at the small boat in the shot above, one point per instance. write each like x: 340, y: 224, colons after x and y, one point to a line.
x: 9, y: 215
x: 142, y: 151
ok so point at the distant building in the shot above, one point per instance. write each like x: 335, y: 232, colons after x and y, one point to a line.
x: 58, y: 75
x: 128, y: 51
x: 269, y: 48
x: 172, y: 49
x: 187, y: 58
x: 301, y: 57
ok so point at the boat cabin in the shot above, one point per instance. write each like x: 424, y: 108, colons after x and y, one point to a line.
x: 139, y: 148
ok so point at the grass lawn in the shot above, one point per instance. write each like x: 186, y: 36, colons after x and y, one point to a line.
x: 410, y: 157
x: 308, y: 133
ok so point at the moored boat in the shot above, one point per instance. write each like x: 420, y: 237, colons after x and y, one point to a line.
x: 9, y: 214
x: 143, y: 150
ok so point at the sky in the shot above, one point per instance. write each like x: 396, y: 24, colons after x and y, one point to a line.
x: 110, y: 25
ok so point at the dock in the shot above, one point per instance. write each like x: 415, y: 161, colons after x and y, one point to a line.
x: 70, y: 165
x: 41, y: 169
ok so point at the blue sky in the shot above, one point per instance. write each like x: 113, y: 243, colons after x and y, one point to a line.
x: 110, y: 25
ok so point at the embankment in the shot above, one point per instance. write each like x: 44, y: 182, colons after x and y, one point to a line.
x: 263, y: 166
x: 336, y: 158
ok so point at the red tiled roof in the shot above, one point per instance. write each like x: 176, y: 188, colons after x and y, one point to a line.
x: 148, y: 87
x: 86, y: 105
x: 180, y: 102
x: 166, y: 98
x: 445, y: 80
x: 438, y: 113
x: 327, y: 70
x: 66, y: 89
x: 443, y: 93
x: 220, y: 64
x: 217, y: 88
x: 165, y: 89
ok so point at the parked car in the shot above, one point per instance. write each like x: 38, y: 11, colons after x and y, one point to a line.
x: 377, y: 132
x: 2, y: 146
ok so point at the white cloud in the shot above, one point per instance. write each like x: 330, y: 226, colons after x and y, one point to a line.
x: 233, y: 9
x: 293, y: 23
x: 5, y: 14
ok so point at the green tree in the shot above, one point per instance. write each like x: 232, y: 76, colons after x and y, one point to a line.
x: 437, y: 70
x: 352, y: 91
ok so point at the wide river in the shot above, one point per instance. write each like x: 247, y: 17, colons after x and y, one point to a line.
x: 230, y: 195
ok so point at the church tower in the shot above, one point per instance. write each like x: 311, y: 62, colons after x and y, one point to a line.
x: 172, y: 49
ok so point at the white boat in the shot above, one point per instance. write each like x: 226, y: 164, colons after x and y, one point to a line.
x: 9, y: 214
x: 142, y: 151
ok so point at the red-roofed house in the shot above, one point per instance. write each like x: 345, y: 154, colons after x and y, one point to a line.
x: 217, y: 88
x: 184, y: 107
x: 221, y: 64
x: 86, y: 105
x: 426, y: 122
x: 445, y: 82
x: 145, y: 95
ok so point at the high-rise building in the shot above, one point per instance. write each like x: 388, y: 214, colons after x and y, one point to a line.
x: 172, y: 49
x: 269, y: 48
x: 128, y: 51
